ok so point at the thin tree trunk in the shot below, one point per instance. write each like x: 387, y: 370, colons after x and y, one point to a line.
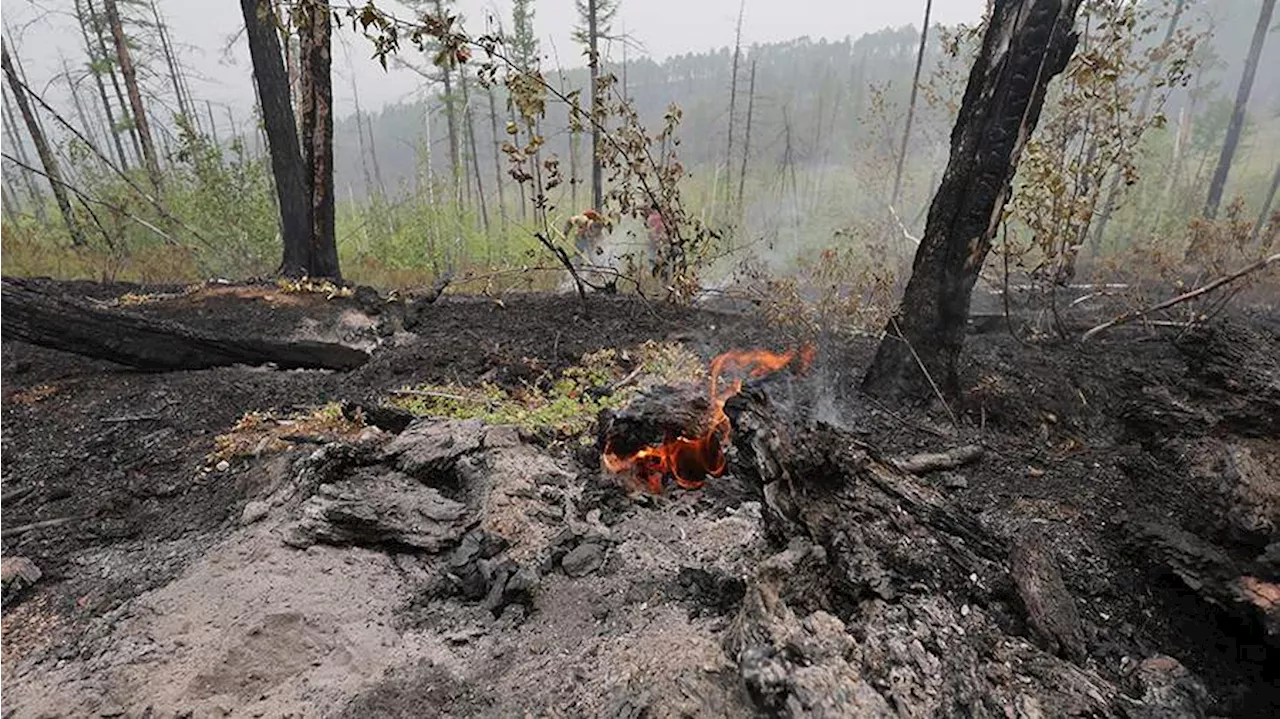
x: 166, y: 48
x: 373, y: 157
x: 47, y: 160
x: 285, y: 26
x: 733, y: 94
x: 112, y: 131
x: 106, y: 56
x: 911, y: 105
x: 364, y: 153
x: 213, y: 126
x: 127, y: 70
x: 33, y: 191
x: 746, y: 140
x: 293, y: 189
x: 597, y: 173
x: 11, y: 207
x: 1024, y: 40
x: 1265, y: 213
x: 1108, y: 202
x: 317, y: 129
x: 524, y: 199
x: 1219, y: 182
x: 573, y: 169
x: 497, y: 158
x: 85, y: 125
x: 451, y: 120
x: 469, y: 117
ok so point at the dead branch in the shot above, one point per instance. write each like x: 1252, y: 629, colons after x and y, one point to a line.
x: 926, y: 462
x: 43, y: 524
x: 1221, y: 281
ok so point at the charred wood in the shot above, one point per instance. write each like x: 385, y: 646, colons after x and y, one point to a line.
x: 135, y: 340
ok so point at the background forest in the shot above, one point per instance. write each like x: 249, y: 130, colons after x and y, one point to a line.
x: 790, y: 149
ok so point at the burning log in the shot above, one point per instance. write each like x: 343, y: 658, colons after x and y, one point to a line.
x: 681, y: 433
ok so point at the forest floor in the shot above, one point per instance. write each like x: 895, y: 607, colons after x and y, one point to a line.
x: 185, y: 575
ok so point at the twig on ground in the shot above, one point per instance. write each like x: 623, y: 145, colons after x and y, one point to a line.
x: 132, y: 418
x: 1224, y: 280
x: 438, y: 395
x: 926, y: 462
x: 43, y: 524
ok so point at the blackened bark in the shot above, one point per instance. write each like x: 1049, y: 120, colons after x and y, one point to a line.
x: 136, y: 340
x: 1219, y: 182
x: 1026, y: 43
x: 130, y: 75
x: 317, y: 135
x: 47, y: 160
x: 292, y: 187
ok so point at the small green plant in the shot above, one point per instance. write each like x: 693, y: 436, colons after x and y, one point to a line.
x: 563, y: 407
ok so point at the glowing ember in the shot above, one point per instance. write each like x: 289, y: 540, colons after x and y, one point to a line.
x: 689, y: 460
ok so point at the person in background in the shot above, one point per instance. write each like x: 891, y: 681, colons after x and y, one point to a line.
x: 657, y: 235
x: 587, y: 230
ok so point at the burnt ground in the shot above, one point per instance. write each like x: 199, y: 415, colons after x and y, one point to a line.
x: 157, y: 593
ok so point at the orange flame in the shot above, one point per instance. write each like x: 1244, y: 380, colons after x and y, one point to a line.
x: 689, y: 460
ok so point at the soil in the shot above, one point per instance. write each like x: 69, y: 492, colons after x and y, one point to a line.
x: 161, y: 594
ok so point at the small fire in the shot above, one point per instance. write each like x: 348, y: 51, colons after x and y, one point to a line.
x: 689, y: 460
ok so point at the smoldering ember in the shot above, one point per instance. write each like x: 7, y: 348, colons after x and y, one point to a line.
x: 449, y: 359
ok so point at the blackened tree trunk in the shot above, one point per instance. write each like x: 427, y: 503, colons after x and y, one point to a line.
x: 293, y: 191
x: 497, y: 157
x: 315, y: 31
x: 130, y: 75
x: 47, y: 160
x: 72, y: 325
x: 104, y: 55
x: 1219, y: 182
x: 19, y: 148
x: 1026, y: 43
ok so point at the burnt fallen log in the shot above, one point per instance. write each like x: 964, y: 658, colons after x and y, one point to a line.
x: 946, y: 617
x: 132, y: 339
x: 1213, y: 575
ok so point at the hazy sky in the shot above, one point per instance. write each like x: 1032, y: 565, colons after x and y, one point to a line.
x: 204, y: 30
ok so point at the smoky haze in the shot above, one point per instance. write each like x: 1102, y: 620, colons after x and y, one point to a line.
x: 212, y: 43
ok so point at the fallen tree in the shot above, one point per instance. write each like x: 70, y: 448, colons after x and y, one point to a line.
x: 132, y: 339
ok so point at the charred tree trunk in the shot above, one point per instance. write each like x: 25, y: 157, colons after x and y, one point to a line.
x: 1026, y: 43
x: 125, y: 59
x: 138, y: 341
x: 47, y: 160
x: 1219, y: 182
x: 911, y: 105
x: 317, y: 135
x: 292, y: 187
